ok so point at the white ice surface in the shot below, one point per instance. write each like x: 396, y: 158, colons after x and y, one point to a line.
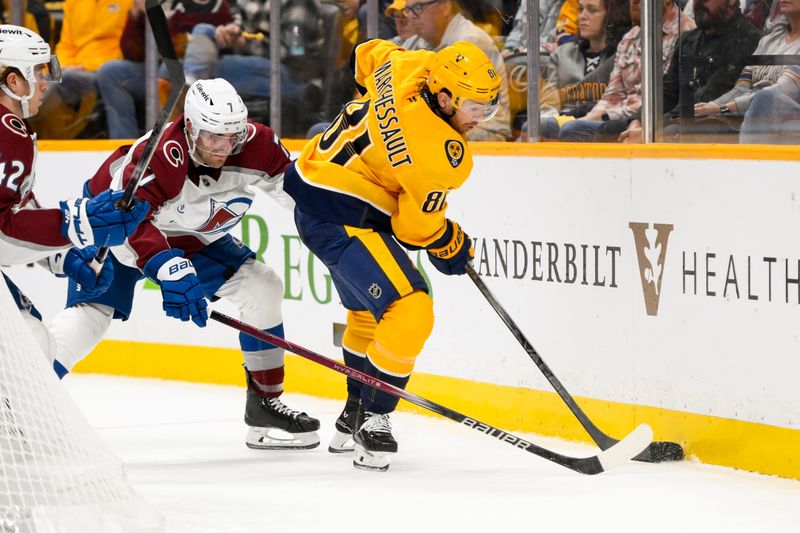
x: 185, y: 453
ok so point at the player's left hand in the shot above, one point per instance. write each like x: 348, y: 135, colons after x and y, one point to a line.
x: 77, y: 264
x: 452, y: 258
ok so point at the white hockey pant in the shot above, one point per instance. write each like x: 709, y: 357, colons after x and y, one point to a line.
x: 257, y: 291
x: 78, y: 329
x: 43, y: 337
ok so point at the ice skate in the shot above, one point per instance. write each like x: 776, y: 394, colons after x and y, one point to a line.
x: 374, y: 443
x: 342, y: 441
x: 274, y: 426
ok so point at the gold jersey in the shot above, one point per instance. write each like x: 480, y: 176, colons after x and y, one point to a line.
x: 387, y: 161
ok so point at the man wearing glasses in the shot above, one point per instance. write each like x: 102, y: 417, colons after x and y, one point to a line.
x: 402, y: 23
x: 438, y: 24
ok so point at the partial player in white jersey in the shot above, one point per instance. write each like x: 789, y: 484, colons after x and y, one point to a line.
x: 200, y: 183
x: 64, y: 239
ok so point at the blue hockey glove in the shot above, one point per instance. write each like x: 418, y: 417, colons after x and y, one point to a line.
x: 77, y: 264
x: 96, y: 222
x: 181, y: 292
x: 452, y: 258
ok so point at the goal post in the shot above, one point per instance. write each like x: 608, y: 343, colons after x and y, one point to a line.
x: 56, y: 475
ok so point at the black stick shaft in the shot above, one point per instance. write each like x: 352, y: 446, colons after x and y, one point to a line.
x: 166, y: 49
x: 656, y: 452
x: 584, y: 465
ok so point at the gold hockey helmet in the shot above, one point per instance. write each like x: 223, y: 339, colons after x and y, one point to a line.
x: 464, y: 71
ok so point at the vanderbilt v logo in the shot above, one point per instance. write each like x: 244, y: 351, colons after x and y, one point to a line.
x: 651, y: 249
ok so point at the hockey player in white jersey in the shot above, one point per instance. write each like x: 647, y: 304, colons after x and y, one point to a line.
x: 200, y: 183
x: 64, y: 239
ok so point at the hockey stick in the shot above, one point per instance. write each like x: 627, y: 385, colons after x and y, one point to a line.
x: 628, y: 447
x: 656, y: 452
x: 166, y: 49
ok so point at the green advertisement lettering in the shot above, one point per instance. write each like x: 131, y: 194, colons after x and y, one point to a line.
x: 260, y: 235
x: 290, y: 265
x: 312, y: 285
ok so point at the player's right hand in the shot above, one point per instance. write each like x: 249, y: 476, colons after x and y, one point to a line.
x: 97, y: 222
x: 452, y: 258
x: 181, y: 291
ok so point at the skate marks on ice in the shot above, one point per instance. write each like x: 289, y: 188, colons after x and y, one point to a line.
x: 185, y: 453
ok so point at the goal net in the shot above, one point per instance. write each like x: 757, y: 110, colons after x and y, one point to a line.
x: 55, y: 473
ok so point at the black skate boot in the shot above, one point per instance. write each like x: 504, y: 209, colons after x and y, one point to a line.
x: 274, y: 426
x: 342, y: 441
x: 374, y: 442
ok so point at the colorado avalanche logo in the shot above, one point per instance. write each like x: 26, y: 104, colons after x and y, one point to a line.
x: 224, y: 215
x: 15, y: 124
x: 173, y: 152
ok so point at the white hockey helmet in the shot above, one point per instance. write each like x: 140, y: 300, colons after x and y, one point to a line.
x: 23, y: 50
x: 218, y: 119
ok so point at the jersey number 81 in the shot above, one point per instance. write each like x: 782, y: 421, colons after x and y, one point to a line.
x: 434, y: 201
x: 347, y: 125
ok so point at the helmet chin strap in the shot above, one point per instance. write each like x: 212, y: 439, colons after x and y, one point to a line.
x: 23, y: 100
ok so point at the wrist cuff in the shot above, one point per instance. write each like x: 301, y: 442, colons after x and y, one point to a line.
x: 453, y: 246
x: 169, y: 265
x: 75, y: 222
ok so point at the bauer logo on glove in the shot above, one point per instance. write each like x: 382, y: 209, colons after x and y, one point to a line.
x: 181, y: 291
x: 451, y: 258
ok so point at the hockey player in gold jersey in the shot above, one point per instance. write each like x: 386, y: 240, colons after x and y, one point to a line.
x: 374, y: 184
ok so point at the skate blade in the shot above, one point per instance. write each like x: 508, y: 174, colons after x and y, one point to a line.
x: 341, y: 443
x: 276, y: 439
x: 374, y: 461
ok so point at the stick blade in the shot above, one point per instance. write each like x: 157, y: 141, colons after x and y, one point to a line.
x: 636, y: 442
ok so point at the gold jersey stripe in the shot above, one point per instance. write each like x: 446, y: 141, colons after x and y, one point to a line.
x: 373, y: 242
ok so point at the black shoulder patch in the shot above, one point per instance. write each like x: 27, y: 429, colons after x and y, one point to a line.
x: 455, y: 152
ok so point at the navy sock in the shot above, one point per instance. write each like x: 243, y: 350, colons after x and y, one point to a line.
x: 376, y: 401
x: 356, y: 362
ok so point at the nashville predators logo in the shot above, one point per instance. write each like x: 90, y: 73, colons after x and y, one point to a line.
x: 455, y: 152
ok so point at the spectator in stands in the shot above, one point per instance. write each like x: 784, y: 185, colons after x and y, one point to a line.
x: 386, y: 24
x: 439, y: 23
x: 784, y: 40
x: 703, y: 67
x: 36, y: 16
x: 567, y: 22
x: 714, y: 53
x: 622, y: 99
x: 763, y: 14
x: 90, y: 36
x: 121, y: 82
x: 579, y: 70
x: 239, y: 51
x: 773, y: 116
x: 517, y: 40
x: 402, y: 23
x: 403, y: 31
x: 352, y: 30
